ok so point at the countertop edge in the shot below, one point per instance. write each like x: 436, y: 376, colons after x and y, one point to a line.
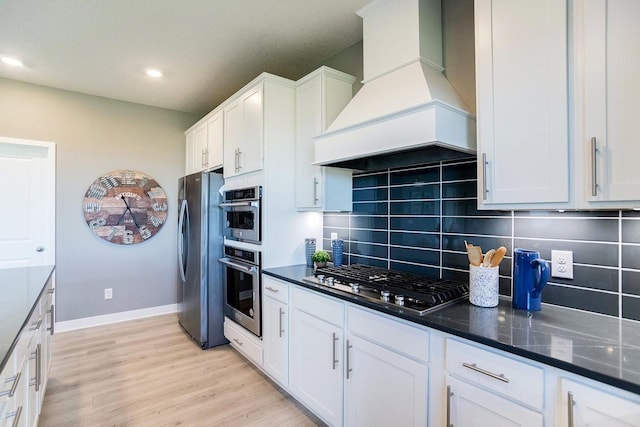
x: 556, y: 363
x: 12, y: 347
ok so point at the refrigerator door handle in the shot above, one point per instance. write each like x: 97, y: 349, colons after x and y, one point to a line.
x: 184, y: 216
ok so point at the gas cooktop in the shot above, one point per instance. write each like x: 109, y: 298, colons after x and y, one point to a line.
x: 408, y: 292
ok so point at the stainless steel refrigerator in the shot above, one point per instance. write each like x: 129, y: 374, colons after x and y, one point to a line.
x: 200, y: 242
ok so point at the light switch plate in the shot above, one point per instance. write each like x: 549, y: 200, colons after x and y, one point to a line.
x: 562, y: 264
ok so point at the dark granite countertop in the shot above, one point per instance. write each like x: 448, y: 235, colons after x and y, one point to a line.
x: 592, y: 345
x: 20, y: 289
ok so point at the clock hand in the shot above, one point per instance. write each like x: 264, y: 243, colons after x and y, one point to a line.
x: 130, y: 212
x: 122, y: 216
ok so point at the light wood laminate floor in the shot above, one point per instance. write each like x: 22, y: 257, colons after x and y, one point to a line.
x: 148, y: 372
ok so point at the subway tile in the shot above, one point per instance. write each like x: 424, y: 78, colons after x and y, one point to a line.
x: 373, y: 180
x: 419, y: 256
x: 336, y: 221
x: 631, y: 231
x: 568, y: 214
x: 455, y: 260
x: 583, y: 252
x: 412, y: 192
x: 603, y: 230
x: 342, y: 233
x: 453, y: 190
x: 459, y: 276
x: 631, y: 308
x: 416, y: 269
x: 456, y: 242
x: 467, y: 208
x: 472, y: 225
x: 373, y: 208
x: 368, y: 236
x: 370, y: 195
x: 630, y: 214
x: 368, y: 261
x: 630, y: 256
x: 631, y: 282
x: 371, y: 222
x: 418, y: 240
x: 416, y: 176
x: 598, y: 302
x: 417, y: 207
x: 360, y: 248
x: 591, y: 277
x: 429, y: 224
x: 459, y: 171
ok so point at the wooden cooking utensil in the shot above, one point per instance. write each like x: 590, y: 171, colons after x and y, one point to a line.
x: 475, y: 255
x: 486, y: 261
x: 498, y: 255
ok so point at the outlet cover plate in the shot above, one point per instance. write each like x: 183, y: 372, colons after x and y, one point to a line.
x: 562, y: 264
x: 108, y: 293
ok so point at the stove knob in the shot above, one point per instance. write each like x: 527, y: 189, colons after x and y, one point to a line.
x: 330, y: 281
x: 399, y: 299
x: 320, y: 278
x: 355, y: 287
x: 384, y: 295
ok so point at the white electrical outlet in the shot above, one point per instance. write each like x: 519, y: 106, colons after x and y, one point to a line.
x: 562, y: 264
x: 108, y: 293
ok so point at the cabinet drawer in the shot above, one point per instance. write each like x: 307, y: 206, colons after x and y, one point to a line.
x: 512, y: 378
x: 243, y: 341
x: 402, y: 338
x: 319, y: 306
x: 275, y: 289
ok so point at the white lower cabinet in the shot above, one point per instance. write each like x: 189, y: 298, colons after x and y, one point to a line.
x: 580, y: 405
x: 472, y: 406
x: 244, y: 341
x: 275, y: 329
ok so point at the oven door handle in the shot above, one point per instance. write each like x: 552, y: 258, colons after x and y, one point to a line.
x: 248, y: 269
x: 237, y: 204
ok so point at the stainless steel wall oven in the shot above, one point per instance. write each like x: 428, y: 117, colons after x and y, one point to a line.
x: 242, y: 215
x: 242, y: 287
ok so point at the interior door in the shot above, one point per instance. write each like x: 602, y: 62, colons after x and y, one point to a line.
x: 27, y: 212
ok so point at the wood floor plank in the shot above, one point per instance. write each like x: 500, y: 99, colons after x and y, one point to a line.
x: 148, y: 372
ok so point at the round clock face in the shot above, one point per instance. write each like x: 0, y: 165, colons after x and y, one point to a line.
x: 125, y: 207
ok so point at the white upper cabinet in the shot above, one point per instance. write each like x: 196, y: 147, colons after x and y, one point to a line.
x: 204, y: 144
x: 243, y: 143
x: 522, y: 109
x: 215, y: 141
x: 320, y: 97
x: 607, y: 70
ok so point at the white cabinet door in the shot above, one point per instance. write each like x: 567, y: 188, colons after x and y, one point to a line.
x: 190, y: 164
x: 471, y: 406
x: 243, y: 135
x: 521, y: 84
x: 383, y: 388
x: 317, y: 366
x: 201, y: 147
x: 275, y: 339
x: 215, y: 141
x: 593, y: 407
x: 611, y: 61
x: 320, y: 97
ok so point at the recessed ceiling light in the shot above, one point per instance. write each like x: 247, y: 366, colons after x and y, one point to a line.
x: 154, y: 73
x: 12, y: 61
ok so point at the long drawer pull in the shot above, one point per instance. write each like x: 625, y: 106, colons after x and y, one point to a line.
x: 280, y: 319
x: 14, y: 386
x: 16, y: 416
x: 269, y: 288
x: 474, y: 367
x: 237, y: 341
x: 334, y: 361
x: 449, y: 395
x: 570, y: 404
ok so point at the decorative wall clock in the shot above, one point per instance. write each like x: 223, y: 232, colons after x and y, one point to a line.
x: 125, y: 207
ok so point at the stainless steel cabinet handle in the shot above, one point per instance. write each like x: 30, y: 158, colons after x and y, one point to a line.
x: 269, y: 288
x: 349, y: 346
x: 36, y: 355
x: 51, y: 319
x: 40, y: 249
x: 570, y: 404
x: 594, y: 169
x: 50, y: 291
x: 14, y: 386
x: 237, y: 341
x: 239, y: 163
x: 474, y: 367
x: 449, y: 394
x: 315, y: 191
x: 485, y: 190
x: 16, y: 416
x: 206, y: 157
x: 202, y: 158
x: 36, y: 325
x: 281, y: 314
x: 334, y: 361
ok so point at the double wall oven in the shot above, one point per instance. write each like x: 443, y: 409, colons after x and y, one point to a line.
x: 242, y: 260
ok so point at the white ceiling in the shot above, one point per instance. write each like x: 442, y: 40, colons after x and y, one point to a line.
x: 207, y: 49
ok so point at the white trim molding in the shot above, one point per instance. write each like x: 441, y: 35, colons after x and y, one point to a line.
x: 107, y: 319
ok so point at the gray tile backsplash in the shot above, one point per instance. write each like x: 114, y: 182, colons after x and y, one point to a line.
x: 417, y: 220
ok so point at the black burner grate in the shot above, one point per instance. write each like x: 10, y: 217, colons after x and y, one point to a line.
x: 429, y: 290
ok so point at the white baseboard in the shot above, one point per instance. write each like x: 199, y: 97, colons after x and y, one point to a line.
x: 106, y: 319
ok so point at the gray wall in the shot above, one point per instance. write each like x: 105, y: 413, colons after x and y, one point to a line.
x: 96, y: 135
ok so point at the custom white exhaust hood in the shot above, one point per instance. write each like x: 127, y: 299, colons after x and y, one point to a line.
x: 407, y: 109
